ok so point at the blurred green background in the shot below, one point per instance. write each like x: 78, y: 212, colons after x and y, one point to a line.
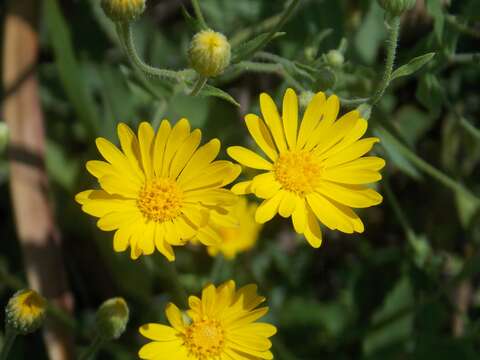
x: 389, y: 293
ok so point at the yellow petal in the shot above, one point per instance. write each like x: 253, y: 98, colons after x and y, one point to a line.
x: 159, y: 146
x: 356, y: 196
x: 174, y: 317
x: 145, y: 139
x: 312, y: 233
x: 261, y: 135
x: 200, y: 160
x: 158, y: 332
x: 272, y: 119
x: 311, y: 118
x: 248, y: 158
x: 114, y: 220
x: 177, y: 136
x: 348, y: 176
x: 290, y: 117
x: 288, y: 204
x: 99, y: 168
x: 184, y: 153
x: 161, y: 244
x: 299, y: 217
x: 267, y: 210
x: 242, y: 188
x: 113, y: 184
x: 352, y: 152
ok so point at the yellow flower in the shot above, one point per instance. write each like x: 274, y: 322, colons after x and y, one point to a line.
x: 25, y: 311
x: 315, y: 171
x: 159, y: 190
x: 238, y: 238
x: 220, y: 325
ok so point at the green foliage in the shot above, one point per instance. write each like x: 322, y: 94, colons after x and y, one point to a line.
x: 389, y: 293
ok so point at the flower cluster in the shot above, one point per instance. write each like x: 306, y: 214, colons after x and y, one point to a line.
x: 161, y: 189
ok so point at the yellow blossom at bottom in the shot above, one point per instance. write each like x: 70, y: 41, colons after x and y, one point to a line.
x: 25, y: 311
x: 240, y: 238
x: 219, y: 325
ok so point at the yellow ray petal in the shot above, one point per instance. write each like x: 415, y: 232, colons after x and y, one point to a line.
x: 248, y: 158
x: 352, y: 152
x: 311, y: 118
x: 200, y: 160
x: 159, y: 146
x: 312, y: 233
x: 158, y: 332
x: 288, y: 204
x: 130, y: 147
x: 267, y: 210
x: 177, y: 136
x: 356, y: 196
x: 272, y: 119
x: 290, y: 117
x: 299, y: 217
x: 184, y: 153
x: 261, y: 135
x: 145, y: 139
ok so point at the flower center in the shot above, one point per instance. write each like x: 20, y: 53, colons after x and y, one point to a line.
x: 205, y: 339
x: 160, y: 200
x: 297, y: 171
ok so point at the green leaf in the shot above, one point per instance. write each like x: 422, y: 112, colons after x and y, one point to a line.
x: 242, y: 52
x: 71, y: 74
x: 430, y: 93
x: 392, y: 323
x: 413, y: 66
x: 209, y: 90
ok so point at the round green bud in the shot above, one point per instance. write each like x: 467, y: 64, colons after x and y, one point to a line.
x: 25, y: 311
x: 209, y: 53
x: 112, y: 318
x: 396, y: 7
x: 123, y: 10
x: 305, y: 98
x: 335, y: 58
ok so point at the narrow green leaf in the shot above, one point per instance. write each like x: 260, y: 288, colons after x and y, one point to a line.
x: 413, y: 65
x: 209, y: 90
x: 242, y: 52
x: 70, y: 73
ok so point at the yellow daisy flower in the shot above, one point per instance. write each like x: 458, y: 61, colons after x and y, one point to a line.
x: 315, y: 170
x: 160, y: 189
x: 220, y: 325
x: 239, y: 238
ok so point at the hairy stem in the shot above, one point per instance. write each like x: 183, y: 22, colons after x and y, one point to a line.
x: 92, y: 348
x: 124, y: 31
x: 199, y: 15
x: 199, y: 84
x: 9, y: 339
x: 391, y: 43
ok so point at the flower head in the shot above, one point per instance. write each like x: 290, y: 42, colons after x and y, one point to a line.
x: 25, y: 311
x: 237, y: 237
x: 123, y: 10
x: 209, y: 53
x: 160, y: 189
x: 112, y: 318
x: 219, y: 325
x: 315, y: 170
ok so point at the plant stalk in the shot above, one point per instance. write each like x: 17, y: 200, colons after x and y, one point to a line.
x: 392, y: 41
x: 10, y: 337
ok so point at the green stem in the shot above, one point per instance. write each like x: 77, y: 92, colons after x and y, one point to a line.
x: 10, y: 336
x: 453, y: 20
x: 198, y: 13
x: 286, y: 15
x: 92, y: 348
x: 391, y: 43
x: 429, y: 169
x: 124, y: 31
x: 199, y: 84
x: 463, y: 59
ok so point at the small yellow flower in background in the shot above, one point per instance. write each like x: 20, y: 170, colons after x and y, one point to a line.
x: 315, y: 170
x: 238, y: 238
x: 25, y: 311
x: 160, y: 189
x: 221, y: 325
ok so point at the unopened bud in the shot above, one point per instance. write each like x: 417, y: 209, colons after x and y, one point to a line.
x: 396, y: 7
x: 335, y: 58
x: 123, y: 10
x: 25, y: 312
x: 112, y: 318
x: 209, y: 53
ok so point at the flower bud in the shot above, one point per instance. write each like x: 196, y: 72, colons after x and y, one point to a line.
x: 396, y: 7
x: 123, y: 10
x: 112, y: 318
x: 335, y: 58
x: 209, y: 53
x: 25, y: 312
